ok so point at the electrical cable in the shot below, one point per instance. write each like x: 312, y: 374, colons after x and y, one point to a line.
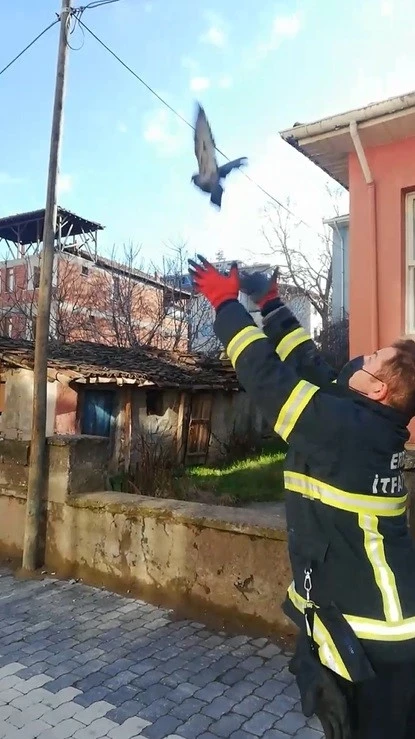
x: 178, y: 115
x: 28, y: 46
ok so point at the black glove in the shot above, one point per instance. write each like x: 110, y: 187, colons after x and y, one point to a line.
x: 319, y: 691
x: 259, y: 287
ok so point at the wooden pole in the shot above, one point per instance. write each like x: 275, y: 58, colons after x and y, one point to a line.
x: 36, y: 482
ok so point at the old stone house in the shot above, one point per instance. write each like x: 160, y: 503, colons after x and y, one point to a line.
x: 189, y: 403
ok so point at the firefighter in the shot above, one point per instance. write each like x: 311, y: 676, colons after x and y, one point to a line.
x: 353, y: 560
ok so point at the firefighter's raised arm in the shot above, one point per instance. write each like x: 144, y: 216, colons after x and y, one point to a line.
x: 294, y: 406
x: 291, y: 341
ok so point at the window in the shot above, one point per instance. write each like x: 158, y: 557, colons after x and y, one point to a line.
x: 410, y: 263
x: 84, y: 270
x: 9, y: 279
x: 115, y: 288
x: 36, y: 277
x: 2, y: 397
x: 98, y: 412
x: 154, y: 402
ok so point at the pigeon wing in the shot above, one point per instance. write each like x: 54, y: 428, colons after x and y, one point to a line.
x: 205, y: 147
x: 224, y: 169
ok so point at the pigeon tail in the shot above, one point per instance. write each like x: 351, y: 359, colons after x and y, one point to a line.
x: 225, y: 169
x: 216, y: 195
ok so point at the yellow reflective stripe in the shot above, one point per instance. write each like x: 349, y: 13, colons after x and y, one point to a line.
x: 328, y: 652
x: 369, y: 504
x: 293, y: 408
x: 385, y: 579
x: 242, y: 340
x: 365, y: 628
x: 291, y: 341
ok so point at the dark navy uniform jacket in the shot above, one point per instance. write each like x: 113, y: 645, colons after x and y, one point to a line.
x: 345, y: 494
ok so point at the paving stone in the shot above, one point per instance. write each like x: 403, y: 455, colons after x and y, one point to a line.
x: 270, y: 689
x: 97, y: 729
x: 65, y: 730
x: 129, y: 728
x: 92, y: 696
x: 183, y: 691
x: 280, y: 705
x: 218, y: 707
x: 291, y: 722
x: 211, y: 691
x: 158, y: 708
x: 65, y: 711
x: 249, y: 705
x: 194, y: 727
x: 187, y: 708
x: 314, y: 723
x: 227, y: 725
x: 31, y: 731
x: 88, y: 664
x: 96, y: 711
x: 161, y: 728
x: 307, y: 733
x: 259, y: 723
x: 240, y: 690
x: 234, y: 676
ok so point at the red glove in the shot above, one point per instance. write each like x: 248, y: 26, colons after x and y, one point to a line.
x: 260, y: 288
x: 272, y: 293
x: 209, y: 282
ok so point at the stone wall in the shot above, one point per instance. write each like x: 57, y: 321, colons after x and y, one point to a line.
x: 223, y: 564
x: 75, y: 464
x: 206, y: 561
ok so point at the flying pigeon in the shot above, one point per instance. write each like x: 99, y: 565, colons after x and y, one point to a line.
x: 210, y: 175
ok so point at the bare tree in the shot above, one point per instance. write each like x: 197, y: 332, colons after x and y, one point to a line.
x: 305, y: 266
x: 115, y: 301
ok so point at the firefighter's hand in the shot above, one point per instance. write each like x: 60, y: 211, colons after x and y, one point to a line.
x: 215, y: 287
x: 259, y: 287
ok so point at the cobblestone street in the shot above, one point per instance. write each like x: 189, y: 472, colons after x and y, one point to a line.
x: 80, y: 662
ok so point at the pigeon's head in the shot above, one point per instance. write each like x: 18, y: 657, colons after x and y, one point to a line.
x: 196, y: 179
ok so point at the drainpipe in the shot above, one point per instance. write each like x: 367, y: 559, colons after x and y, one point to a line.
x: 371, y: 186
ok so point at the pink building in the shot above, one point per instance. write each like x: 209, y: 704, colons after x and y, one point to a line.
x: 371, y: 152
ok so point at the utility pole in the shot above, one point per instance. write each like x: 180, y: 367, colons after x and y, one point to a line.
x: 36, y: 483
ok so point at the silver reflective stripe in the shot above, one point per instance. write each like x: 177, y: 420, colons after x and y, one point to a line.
x: 337, y: 498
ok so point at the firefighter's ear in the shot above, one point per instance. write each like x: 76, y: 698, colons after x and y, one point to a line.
x: 379, y: 392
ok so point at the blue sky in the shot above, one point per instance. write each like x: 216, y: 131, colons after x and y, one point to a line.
x: 256, y: 66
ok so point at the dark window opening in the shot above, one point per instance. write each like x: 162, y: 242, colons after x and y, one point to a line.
x: 85, y: 270
x: 2, y: 397
x: 9, y: 279
x: 154, y: 402
x: 36, y: 277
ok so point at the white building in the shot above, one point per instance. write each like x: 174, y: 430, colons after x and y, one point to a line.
x: 340, y: 289
x: 201, y: 334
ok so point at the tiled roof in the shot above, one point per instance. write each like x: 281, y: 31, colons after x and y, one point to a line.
x: 87, y: 362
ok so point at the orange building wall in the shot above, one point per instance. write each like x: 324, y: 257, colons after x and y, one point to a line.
x: 393, y: 170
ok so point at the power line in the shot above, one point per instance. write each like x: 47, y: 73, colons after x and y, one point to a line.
x: 187, y: 123
x: 28, y: 46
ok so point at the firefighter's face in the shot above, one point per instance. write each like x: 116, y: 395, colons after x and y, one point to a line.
x: 366, y: 380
